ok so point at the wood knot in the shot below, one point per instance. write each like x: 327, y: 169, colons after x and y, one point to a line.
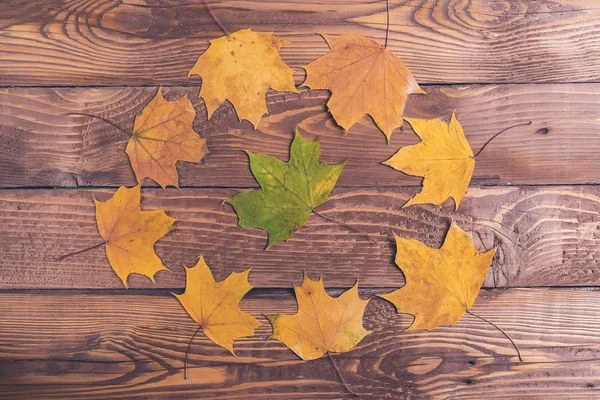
x: 543, y: 131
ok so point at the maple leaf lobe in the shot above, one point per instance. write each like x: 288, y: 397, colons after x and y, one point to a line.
x: 443, y: 158
x: 364, y: 78
x: 214, y: 305
x: 322, y: 323
x: 289, y: 190
x: 130, y: 233
x: 240, y: 67
x: 441, y: 284
x: 163, y: 135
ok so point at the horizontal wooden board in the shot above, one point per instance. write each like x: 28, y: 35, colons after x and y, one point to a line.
x: 105, y: 42
x: 61, y: 345
x: 546, y: 236
x: 42, y: 147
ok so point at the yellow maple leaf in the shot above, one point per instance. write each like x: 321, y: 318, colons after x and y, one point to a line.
x: 364, y: 78
x: 322, y: 324
x: 163, y: 135
x: 214, y: 305
x: 239, y: 67
x: 443, y: 158
x: 441, y: 284
x: 130, y: 234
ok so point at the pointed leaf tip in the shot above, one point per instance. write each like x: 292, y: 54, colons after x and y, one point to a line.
x: 162, y: 136
x: 289, y: 190
x: 241, y: 73
x: 443, y: 158
x: 335, y: 331
x: 450, y: 276
x: 368, y: 70
x: 130, y: 233
x: 215, y: 305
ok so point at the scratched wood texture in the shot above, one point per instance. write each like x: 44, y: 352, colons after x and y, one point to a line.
x: 546, y: 236
x: 44, y: 147
x: 69, y: 329
x: 90, y: 345
x: 156, y: 42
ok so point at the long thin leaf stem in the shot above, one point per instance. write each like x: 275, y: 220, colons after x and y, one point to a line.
x: 187, y: 352
x: 340, y: 375
x: 350, y: 228
x: 387, y: 26
x: 500, y: 329
x: 498, y: 134
x: 102, y: 119
x: 214, y: 17
x: 79, y: 251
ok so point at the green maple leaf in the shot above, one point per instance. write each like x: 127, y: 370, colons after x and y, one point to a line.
x: 289, y: 191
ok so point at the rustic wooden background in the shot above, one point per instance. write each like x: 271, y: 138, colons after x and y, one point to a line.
x: 70, y: 330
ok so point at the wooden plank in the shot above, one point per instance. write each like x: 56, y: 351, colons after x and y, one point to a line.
x: 42, y: 147
x: 546, y: 236
x: 101, y: 346
x: 103, y: 42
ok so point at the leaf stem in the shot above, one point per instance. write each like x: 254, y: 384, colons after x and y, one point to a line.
x: 498, y: 134
x: 187, y: 352
x: 387, y: 27
x: 340, y: 374
x: 350, y: 228
x: 214, y: 17
x: 101, y: 119
x: 500, y: 329
x: 79, y: 251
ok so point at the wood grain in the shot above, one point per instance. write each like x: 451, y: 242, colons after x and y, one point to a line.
x: 151, y: 42
x: 546, y: 236
x: 69, y: 330
x: 118, y: 345
x: 42, y: 147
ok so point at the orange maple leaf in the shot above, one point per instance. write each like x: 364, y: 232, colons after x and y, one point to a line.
x: 364, y: 78
x: 322, y: 324
x: 130, y: 233
x: 214, y: 305
x: 240, y: 67
x: 163, y: 135
x: 441, y: 284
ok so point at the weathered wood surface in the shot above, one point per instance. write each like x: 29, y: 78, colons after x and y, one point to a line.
x: 40, y: 146
x: 105, y: 42
x: 128, y: 346
x: 546, y: 236
x: 69, y: 330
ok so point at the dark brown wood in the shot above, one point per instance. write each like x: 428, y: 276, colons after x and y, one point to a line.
x: 42, y: 147
x: 104, y: 42
x: 118, y: 345
x: 546, y: 236
x: 70, y: 330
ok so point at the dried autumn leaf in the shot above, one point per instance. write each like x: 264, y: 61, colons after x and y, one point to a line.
x: 289, y: 191
x: 364, y: 78
x: 130, y: 233
x: 163, y: 135
x: 441, y: 284
x: 322, y: 324
x: 239, y: 67
x: 214, y: 305
x: 443, y: 158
